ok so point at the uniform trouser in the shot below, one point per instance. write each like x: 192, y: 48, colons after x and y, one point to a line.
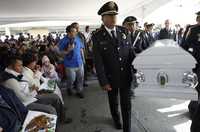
x: 195, y: 127
x: 125, y: 102
x: 134, y: 85
x: 53, y: 100
x: 73, y: 74
x: 197, y: 71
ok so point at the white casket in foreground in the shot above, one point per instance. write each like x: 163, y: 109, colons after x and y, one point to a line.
x: 165, y: 70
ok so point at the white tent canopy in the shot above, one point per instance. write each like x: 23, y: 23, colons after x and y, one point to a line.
x: 14, y: 11
x: 83, y: 11
x: 178, y: 11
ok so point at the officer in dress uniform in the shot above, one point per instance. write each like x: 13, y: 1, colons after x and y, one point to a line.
x: 130, y: 23
x: 148, y: 34
x: 192, y: 45
x: 137, y: 39
x: 185, y: 34
x: 113, y: 55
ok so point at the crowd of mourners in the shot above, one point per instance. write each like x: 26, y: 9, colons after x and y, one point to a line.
x: 27, y: 62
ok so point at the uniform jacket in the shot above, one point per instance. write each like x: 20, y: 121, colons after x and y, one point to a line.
x: 193, y: 41
x: 148, y: 39
x: 183, y: 44
x: 139, y: 44
x: 113, y: 59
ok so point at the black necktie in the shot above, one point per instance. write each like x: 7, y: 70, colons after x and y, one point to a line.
x: 113, y: 36
x: 132, y: 37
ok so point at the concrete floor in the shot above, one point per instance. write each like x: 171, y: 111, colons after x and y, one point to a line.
x: 91, y: 114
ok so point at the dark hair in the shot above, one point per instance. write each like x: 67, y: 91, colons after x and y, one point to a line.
x: 42, y: 48
x: 34, y: 52
x: 74, y: 24
x: 22, y: 45
x: 87, y: 27
x: 12, y: 59
x: 180, y: 32
x: 197, y: 18
x: 69, y: 28
x: 123, y: 23
x: 28, y: 58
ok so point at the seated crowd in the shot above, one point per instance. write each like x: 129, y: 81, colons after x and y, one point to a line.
x: 25, y: 64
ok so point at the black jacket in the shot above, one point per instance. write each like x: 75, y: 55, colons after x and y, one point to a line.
x: 167, y: 34
x: 183, y: 43
x: 113, y: 58
x: 148, y: 39
x: 193, y: 41
x: 139, y: 43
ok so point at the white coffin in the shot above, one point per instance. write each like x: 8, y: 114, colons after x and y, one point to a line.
x: 163, y: 66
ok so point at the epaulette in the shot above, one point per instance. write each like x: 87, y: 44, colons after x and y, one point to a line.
x: 97, y: 31
x: 193, y: 26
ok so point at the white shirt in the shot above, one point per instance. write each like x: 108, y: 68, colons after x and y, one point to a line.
x: 30, y: 77
x: 21, y: 92
x: 109, y: 31
x: 87, y: 36
x: 34, y: 79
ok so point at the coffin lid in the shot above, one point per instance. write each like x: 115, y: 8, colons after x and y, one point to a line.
x: 164, y: 54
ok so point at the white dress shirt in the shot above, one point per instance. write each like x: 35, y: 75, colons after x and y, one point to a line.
x: 109, y: 31
x: 21, y: 92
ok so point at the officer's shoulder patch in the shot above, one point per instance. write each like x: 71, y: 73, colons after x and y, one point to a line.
x: 99, y: 31
x: 96, y: 34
